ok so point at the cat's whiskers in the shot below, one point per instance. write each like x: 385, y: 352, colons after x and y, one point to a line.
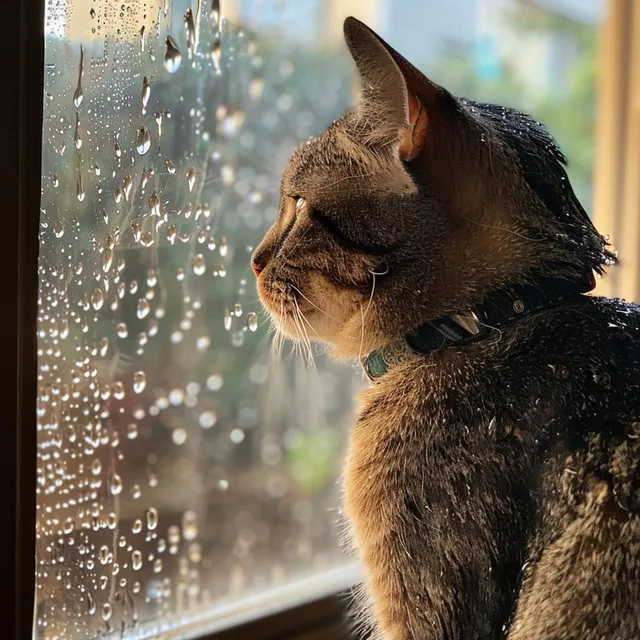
x: 303, y: 334
x: 293, y: 286
x: 364, y: 313
x: 278, y: 340
x: 306, y: 320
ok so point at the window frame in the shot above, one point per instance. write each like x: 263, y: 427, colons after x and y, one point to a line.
x: 21, y: 117
x: 617, y: 158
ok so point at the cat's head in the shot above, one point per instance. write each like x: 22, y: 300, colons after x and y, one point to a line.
x: 412, y: 206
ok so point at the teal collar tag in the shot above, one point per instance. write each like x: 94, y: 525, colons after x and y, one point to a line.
x: 375, y: 365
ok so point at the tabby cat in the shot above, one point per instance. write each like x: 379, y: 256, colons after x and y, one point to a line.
x: 492, y: 483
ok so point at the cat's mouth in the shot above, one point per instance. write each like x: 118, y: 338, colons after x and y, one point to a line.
x: 307, y: 306
x: 285, y: 302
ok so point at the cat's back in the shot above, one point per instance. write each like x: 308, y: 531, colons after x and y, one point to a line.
x: 582, y: 358
x: 581, y: 578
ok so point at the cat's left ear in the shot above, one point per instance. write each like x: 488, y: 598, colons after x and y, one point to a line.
x: 398, y: 99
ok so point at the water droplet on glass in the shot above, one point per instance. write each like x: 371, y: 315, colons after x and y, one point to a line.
x: 136, y: 560
x: 190, y: 33
x: 224, y: 246
x: 127, y: 185
x: 189, y: 525
x: 91, y: 603
x: 154, y: 204
x: 68, y: 525
x: 216, y: 13
x: 143, y: 140
x: 58, y: 229
x: 145, y: 93
x: 97, y: 299
x: 191, y: 178
x: 252, y: 321
x: 157, y: 565
x: 77, y: 95
x: 104, y: 555
x: 151, y: 517
x: 132, y: 431
x: 228, y: 319
x: 106, y: 611
x: 198, y: 264
x: 118, y: 390
x: 216, y: 53
x: 77, y: 139
x: 195, y: 553
x: 158, y: 118
x: 172, y: 56
x: 115, y: 484
x: 96, y: 467
x: 139, y: 381
x: 143, y: 308
x: 173, y: 534
x: 79, y: 187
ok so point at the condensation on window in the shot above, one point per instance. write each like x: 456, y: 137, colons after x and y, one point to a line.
x: 181, y: 465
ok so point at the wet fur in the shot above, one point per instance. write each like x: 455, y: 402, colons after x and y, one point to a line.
x: 491, y: 491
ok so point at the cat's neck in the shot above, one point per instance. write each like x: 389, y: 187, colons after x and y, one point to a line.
x: 499, y: 309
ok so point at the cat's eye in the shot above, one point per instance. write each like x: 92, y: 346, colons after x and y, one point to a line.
x: 300, y: 202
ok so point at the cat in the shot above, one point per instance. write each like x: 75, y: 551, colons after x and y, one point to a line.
x: 492, y: 481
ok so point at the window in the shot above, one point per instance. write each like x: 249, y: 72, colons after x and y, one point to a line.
x: 186, y: 474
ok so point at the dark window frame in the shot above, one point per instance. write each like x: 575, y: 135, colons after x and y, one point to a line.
x: 21, y: 124
x: 21, y: 112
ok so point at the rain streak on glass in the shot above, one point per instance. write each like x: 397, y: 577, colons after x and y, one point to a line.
x: 175, y: 473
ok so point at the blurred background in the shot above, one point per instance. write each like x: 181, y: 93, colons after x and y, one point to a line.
x: 187, y: 474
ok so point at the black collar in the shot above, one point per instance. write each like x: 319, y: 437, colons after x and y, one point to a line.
x: 498, y: 309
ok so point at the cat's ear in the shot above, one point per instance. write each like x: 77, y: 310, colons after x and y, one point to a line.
x: 396, y: 98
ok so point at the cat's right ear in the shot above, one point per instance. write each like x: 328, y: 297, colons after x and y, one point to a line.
x: 397, y: 100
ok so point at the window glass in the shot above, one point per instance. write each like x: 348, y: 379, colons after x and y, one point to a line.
x: 187, y: 472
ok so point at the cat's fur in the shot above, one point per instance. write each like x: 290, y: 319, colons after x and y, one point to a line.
x: 492, y: 490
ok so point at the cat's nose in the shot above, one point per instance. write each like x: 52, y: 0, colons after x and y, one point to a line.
x: 257, y: 269
x: 260, y: 259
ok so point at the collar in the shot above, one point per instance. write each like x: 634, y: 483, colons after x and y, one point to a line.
x: 499, y: 309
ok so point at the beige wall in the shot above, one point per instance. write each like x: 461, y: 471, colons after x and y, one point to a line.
x: 617, y: 157
x: 335, y: 11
